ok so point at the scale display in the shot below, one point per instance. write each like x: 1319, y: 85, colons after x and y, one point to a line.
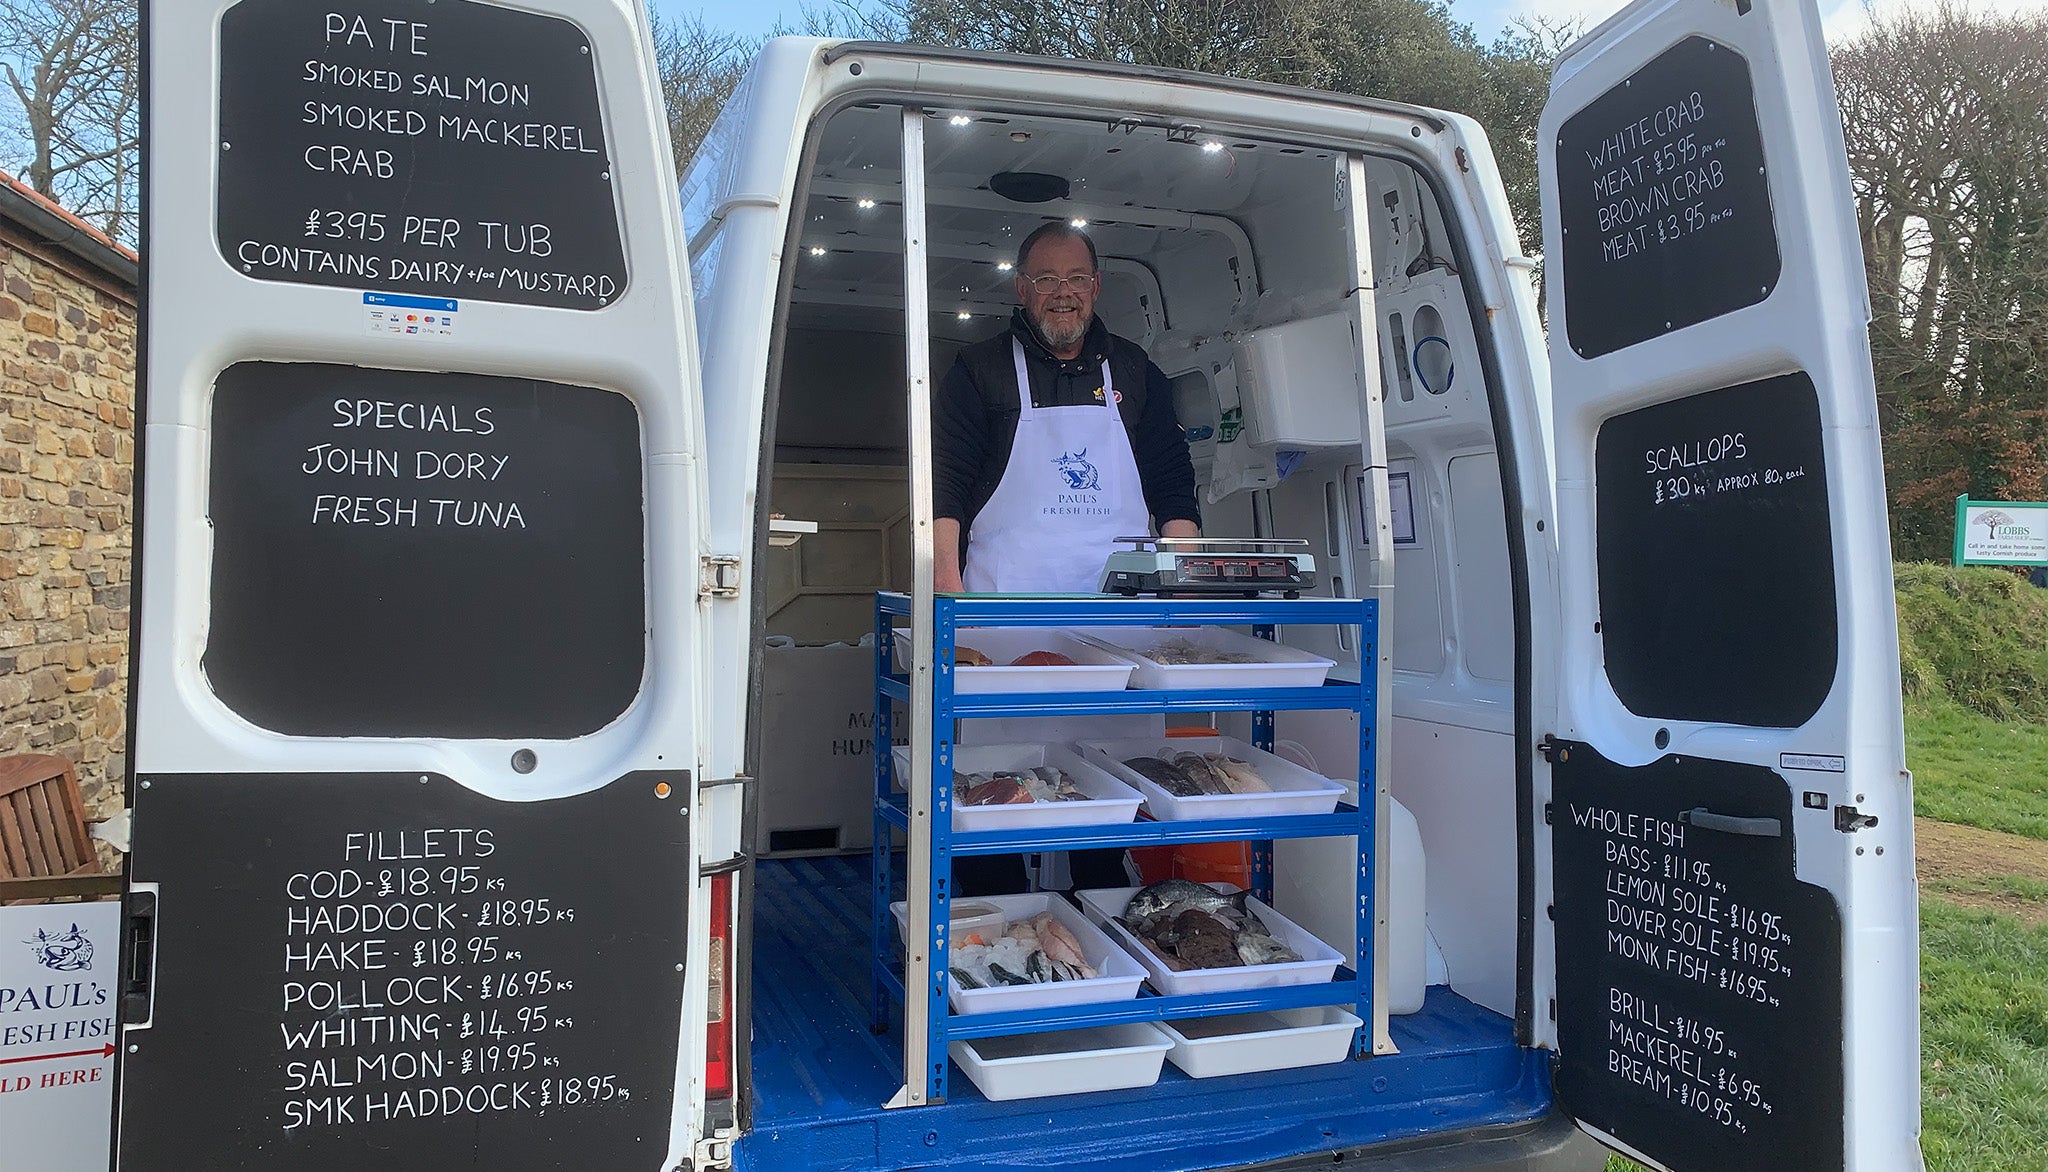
x: 1230, y: 567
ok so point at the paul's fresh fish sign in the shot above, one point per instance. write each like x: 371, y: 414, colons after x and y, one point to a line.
x: 415, y: 741
x: 57, y: 1002
x: 2001, y: 533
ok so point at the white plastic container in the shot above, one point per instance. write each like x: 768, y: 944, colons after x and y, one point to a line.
x: 1067, y: 1062
x: 1407, y: 935
x: 1318, y: 960
x: 1095, y: 668
x: 1109, y: 799
x: 971, y: 916
x: 1278, y: 1039
x: 1295, y: 790
x: 1119, y: 974
x: 1274, y: 665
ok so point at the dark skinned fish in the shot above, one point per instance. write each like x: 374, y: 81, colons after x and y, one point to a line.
x: 1150, y: 901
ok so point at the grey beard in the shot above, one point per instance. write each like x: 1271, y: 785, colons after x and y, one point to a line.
x: 1059, y: 339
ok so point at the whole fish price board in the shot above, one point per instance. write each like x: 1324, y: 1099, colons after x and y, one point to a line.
x: 408, y: 967
x: 437, y: 147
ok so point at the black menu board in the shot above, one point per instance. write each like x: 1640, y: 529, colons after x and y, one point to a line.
x: 394, y: 972
x: 398, y: 553
x: 1716, y: 558
x: 1699, y: 983
x: 1663, y: 200
x: 426, y: 147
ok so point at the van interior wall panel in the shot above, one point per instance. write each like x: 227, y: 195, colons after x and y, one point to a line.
x: 820, y: 1077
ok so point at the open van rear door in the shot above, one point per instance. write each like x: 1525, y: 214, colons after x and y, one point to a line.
x: 1729, y: 831
x: 418, y: 680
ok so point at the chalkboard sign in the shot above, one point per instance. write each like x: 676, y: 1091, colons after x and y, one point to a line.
x: 449, y: 148
x: 1716, y: 560
x: 1699, y: 984
x: 394, y: 972
x: 407, y: 554
x: 1663, y: 200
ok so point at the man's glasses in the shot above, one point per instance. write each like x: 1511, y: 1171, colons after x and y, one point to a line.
x: 1049, y: 284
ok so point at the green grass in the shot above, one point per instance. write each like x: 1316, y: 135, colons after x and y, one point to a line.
x: 2003, y: 886
x: 1977, y: 770
x: 1978, y: 636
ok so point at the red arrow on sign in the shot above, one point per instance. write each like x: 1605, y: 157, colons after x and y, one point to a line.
x: 106, y: 1051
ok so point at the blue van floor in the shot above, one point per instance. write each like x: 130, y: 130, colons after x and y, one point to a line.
x: 820, y: 1077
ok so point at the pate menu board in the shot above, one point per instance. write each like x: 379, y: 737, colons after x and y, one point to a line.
x: 429, y: 147
x: 1699, y: 983
x: 393, y: 972
x: 398, y: 553
x: 1663, y: 201
x: 1716, y: 556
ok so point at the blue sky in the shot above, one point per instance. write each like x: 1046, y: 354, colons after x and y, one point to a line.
x: 1487, y: 17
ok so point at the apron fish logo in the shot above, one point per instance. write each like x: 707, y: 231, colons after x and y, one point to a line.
x: 1079, y: 474
x: 68, y: 952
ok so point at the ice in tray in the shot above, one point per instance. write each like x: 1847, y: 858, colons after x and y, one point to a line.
x: 1175, y: 658
x: 1024, y: 659
x: 1318, y: 961
x: 1117, y: 975
x: 1065, y: 1062
x: 1278, y: 1039
x: 1103, y: 798
x: 1225, y: 763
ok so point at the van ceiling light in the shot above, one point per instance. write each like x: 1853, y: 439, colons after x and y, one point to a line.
x: 1078, y: 222
x: 964, y: 315
x: 1029, y: 186
x: 960, y: 120
x: 1003, y: 266
x: 864, y: 204
x: 1211, y: 147
x: 816, y: 251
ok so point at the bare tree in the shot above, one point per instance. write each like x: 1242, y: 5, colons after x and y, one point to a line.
x: 72, y: 67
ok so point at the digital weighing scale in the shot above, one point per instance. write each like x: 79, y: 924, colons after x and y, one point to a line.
x: 1195, y: 566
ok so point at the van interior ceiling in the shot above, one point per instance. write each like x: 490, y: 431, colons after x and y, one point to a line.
x: 1225, y: 257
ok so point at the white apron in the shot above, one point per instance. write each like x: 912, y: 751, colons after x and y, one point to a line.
x: 1069, y: 491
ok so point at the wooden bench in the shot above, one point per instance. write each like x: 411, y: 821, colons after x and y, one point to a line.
x: 45, y: 851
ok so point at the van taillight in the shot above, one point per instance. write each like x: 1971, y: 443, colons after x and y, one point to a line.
x: 718, y: 1045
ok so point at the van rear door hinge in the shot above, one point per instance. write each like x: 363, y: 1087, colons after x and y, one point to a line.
x: 1548, y: 747
x: 713, y: 1151
x: 718, y: 577
x: 1849, y: 820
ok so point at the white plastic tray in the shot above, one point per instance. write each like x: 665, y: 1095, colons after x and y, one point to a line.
x: 1278, y: 1039
x: 1276, y: 664
x: 1109, y: 799
x: 1067, y: 1062
x: 1295, y: 790
x: 1095, y: 668
x: 1120, y: 974
x: 1318, y: 961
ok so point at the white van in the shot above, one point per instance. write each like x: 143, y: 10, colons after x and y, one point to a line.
x: 470, y: 512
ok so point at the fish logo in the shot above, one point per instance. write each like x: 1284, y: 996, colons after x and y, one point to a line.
x: 68, y: 952
x: 1078, y: 472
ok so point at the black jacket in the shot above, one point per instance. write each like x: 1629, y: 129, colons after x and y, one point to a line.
x: 975, y: 422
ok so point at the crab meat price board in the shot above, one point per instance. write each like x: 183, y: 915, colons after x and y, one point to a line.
x: 392, y: 971
x: 1699, y: 983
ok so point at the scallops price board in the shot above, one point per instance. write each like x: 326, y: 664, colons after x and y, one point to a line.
x: 1664, y: 201
x: 409, y: 975
x: 454, y: 149
x: 1697, y: 978
x: 1716, y: 561
x: 404, y: 554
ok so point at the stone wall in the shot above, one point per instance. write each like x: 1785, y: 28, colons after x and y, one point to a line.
x: 67, y: 475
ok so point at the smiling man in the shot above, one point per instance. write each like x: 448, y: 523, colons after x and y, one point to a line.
x: 1053, y: 439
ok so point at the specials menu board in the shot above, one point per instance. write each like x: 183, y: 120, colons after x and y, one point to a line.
x: 1699, y: 1003
x: 401, y: 553
x: 392, y: 971
x: 1664, y: 202
x: 427, y: 147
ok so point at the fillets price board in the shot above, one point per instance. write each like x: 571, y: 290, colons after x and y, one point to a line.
x: 410, y: 967
x: 1695, y: 974
x: 1664, y: 201
x: 455, y: 149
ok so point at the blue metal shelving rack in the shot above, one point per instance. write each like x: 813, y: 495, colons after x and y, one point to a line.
x: 952, y: 612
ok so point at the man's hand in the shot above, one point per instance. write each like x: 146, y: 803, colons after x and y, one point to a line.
x: 1180, y: 529
x: 946, y: 556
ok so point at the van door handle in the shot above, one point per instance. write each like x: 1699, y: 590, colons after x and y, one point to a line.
x: 1706, y: 819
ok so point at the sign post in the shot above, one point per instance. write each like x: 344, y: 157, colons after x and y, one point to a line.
x: 57, y: 996
x: 2001, y: 533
